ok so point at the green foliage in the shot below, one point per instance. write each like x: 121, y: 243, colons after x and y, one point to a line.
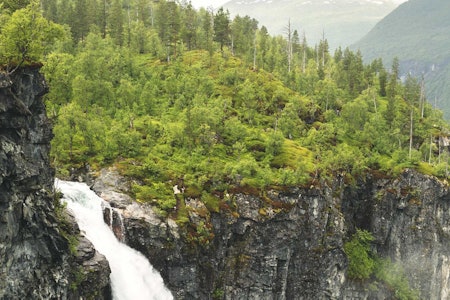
x: 218, y: 293
x: 364, y: 264
x: 13, y: 5
x: 27, y: 36
x: 152, y: 94
x: 78, y: 276
x: 361, y: 263
x: 393, y: 275
x: 157, y: 193
x: 211, y: 202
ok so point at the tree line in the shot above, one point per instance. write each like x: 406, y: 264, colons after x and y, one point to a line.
x: 172, y: 95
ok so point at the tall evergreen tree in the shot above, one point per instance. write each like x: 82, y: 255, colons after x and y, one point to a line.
x: 391, y: 93
x: 243, y: 30
x: 189, y: 26
x: 262, y: 45
x: 80, y: 20
x: 116, y: 22
x: 50, y: 9
x: 169, y: 24
x: 222, y: 27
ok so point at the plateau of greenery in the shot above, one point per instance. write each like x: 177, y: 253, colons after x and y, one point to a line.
x: 174, y: 96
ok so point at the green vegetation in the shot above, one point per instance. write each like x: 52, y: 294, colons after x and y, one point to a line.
x: 361, y: 263
x: 393, y: 276
x: 78, y: 277
x: 25, y: 35
x: 173, y: 96
x: 365, y: 265
x: 176, y: 97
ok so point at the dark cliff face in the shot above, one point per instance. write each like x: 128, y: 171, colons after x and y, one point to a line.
x: 409, y: 217
x: 264, y: 252
x: 260, y: 253
x: 36, y: 261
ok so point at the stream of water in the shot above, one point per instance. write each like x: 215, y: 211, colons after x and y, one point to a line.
x: 132, y: 276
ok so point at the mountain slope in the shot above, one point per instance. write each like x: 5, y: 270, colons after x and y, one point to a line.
x: 417, y: 33
x: 342, y: 21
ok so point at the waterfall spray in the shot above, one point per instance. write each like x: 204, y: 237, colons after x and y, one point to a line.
x: 132, y: 276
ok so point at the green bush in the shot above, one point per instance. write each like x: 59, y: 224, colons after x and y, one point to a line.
x: 393, y: 275
x: 158, y: 193
x: 361, y: 263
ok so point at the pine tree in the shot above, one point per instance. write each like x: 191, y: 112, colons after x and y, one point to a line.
x: 391, y: 93
x: 80, y: 21
x: 189, y: 26
x: 115, y: 22
x: 222, y: 27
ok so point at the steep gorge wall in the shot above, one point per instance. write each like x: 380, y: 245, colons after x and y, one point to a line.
x: 409, y: 217
x: 36, y: 261
x: 263, y: 252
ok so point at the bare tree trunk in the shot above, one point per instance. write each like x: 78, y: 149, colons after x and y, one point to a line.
x: 411, y: 134
x: 431, y: 146
x: 323, y: 48
x: 289, y: 44
x: 254, y: 53
x: 232, y: 45
x: 422, y: 97
x: 439, y: 149
x: 304, y: 53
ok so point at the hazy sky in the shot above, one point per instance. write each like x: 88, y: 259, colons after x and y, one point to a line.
x: 207, y: 3
x: 218, y: 3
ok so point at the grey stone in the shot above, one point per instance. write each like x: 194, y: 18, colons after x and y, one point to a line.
x: 36, y: 259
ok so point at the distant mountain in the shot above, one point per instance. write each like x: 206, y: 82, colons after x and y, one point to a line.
x: 418, y: 33
x: 343, y: 21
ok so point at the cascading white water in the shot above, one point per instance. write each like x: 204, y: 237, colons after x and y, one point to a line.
x: 132, y: 276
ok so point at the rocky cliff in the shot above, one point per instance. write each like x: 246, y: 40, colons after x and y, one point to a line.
x: 42, y: 255
x: 289, y: 244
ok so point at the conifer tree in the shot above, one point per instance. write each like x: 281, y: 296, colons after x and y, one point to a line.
x: 189, y: 26
x: 222, y: 27
x: 80, y: 20
x: 115, y: 22
x: 391, y: 93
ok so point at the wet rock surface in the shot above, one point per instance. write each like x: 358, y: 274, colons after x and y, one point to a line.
x: 263, y: 251
x: 36, y: 259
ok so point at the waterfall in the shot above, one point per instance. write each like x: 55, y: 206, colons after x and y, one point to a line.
x: 132, y: 276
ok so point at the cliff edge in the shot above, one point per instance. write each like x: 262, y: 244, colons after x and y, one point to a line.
x: 42, y: 254
x: 290, y: 244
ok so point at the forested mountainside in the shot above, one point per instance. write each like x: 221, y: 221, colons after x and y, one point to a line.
x: 417, y: 33
x: 343, y: 22
x: 234, y: 139
x: 174, y: 96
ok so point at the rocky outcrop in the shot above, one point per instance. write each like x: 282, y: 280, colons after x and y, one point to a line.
x: 409, y: 217
x: 42, y: 255
x: 289, y: 244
